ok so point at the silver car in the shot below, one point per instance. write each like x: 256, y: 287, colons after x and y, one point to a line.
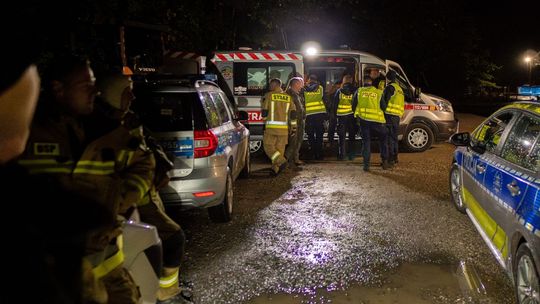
x: 495, y: 179
x: 201, y: 131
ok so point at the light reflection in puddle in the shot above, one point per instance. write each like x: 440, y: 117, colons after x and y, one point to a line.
x: 411, y: 283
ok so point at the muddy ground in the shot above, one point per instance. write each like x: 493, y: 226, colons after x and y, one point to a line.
x: 331, y: 233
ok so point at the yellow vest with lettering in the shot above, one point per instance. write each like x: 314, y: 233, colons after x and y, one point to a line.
x: 369, y: 105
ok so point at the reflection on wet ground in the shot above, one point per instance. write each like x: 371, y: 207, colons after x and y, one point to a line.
x: 411, y: 283
x: 332, y: 232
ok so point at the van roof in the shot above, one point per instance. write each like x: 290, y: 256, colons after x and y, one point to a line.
x: 257, y: 55
x: 286, y: 55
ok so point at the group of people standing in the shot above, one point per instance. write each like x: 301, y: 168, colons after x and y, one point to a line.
x: 376, y: 108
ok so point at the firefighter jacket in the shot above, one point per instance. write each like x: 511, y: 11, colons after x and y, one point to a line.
x: 396, y: 100
x: 116, y: 169
x: 314, y: 99
x: 369, y: 105
x: 278, y: 112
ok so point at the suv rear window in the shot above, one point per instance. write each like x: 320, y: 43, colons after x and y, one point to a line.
x: 170, y: 112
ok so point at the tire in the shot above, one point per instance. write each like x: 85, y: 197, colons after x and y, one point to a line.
x: 418, y: 137
x: 456, y: 187
x: 222, y: 213
x: 256, y: 147
x: 526, y: 279
x: 246, y: 171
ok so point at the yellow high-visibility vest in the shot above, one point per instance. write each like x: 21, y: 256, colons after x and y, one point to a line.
x: 345, y: 104
x: 396, y: 104
x: 369, y: 105
x: 314, y: 102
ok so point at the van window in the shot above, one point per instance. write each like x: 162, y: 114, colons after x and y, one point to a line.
x: 221, y: 107
x: 330, y: 70
x: 374, y: 70
x: 256, y: 76
x: 518, y: 148
x: 211, y: 111
x: 169, y: 112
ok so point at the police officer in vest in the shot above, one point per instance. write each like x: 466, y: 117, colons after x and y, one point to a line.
x: 369, y: 108
x: 342, y: 109
x: 278, y: 112
x: 393, y: 96
x: 315, y: 115
x: 377, y: 79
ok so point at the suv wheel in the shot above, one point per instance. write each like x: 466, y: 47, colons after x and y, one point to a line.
x: 526, y: 277
x: 455, y: 188
x: 222, y: 213
x: 255, y: 146
x: 418, y: 137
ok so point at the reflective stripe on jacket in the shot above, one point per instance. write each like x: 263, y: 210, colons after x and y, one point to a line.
x: 279, y: 106
x: 369, y: 105
x: 314, y: 102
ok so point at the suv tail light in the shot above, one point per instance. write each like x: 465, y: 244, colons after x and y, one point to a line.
x: 205, y: 143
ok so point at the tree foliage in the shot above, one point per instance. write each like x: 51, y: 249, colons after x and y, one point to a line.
x: 434, y: 40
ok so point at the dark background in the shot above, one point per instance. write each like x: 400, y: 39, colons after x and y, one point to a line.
x: 457, y: 49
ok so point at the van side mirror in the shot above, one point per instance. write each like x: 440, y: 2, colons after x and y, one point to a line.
x: 417, y: 92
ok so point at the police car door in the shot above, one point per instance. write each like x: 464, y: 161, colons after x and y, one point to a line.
x: 513, y: 181
x: 227, y: 132
x: 478, y: 191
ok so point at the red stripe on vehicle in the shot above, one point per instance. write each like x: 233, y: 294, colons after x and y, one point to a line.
x: 221, y: 57
x: 239, y: 55
x: 293, y: 56
x: 266, y: 56
x: 279, y: 56
x: 253, y: 56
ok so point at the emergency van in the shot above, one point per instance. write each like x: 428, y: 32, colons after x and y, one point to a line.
x: 427, y: 118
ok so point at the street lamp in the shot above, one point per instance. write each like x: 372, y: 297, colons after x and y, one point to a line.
x: 528, y: 60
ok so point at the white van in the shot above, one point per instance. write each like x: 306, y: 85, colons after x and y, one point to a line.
x: 427, y: 118
x: 247, y: 74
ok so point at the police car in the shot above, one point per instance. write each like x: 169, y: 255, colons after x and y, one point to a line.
x: 495, y: 180
x: 200, y: 129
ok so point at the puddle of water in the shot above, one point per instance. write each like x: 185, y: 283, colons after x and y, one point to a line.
x: 411, y: 283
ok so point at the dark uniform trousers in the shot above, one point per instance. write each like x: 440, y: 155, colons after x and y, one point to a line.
x: 346, y: 125
x: 315, y: 132
x: 392, y: 124
x: 367, y: 128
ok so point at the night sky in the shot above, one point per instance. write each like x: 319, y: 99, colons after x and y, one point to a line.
x: 428, y: 37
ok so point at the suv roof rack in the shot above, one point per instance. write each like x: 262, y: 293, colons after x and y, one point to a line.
x: 183, y: 80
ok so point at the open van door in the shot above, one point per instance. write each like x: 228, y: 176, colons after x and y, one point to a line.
x: 427, y: 118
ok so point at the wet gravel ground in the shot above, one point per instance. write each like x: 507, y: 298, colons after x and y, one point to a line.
x: 331, y: 226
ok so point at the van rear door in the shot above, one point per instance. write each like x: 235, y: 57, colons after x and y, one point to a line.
x: 171, y: 117
x: 248, y: 73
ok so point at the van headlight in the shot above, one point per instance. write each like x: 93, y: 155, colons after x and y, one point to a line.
x: 443, y: 105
